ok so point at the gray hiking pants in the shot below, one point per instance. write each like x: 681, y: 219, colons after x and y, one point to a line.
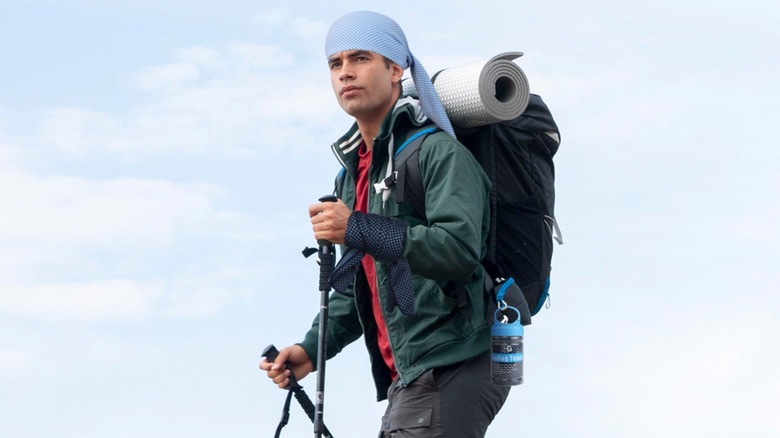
x: 456, y: 401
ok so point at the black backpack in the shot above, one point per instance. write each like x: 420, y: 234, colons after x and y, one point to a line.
x: 517, y: 156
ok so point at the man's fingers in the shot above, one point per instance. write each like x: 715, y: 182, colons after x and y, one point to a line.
x: 281, y: 359
x: 316, y: 209
x: 283, y: 379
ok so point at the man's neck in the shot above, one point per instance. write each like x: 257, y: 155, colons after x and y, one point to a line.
x: 369, y: 128
x: 368, y: 132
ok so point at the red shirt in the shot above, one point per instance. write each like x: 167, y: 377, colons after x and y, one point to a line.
x: 361, y: 204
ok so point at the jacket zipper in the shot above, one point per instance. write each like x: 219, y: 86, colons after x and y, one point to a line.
x: 401, y: 382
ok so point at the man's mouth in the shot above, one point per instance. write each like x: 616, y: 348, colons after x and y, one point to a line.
x: 349, y: 90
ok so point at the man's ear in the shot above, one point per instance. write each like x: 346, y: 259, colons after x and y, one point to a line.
x: 398, y: 72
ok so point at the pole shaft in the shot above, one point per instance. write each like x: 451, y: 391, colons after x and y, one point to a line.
x: 327, y: 262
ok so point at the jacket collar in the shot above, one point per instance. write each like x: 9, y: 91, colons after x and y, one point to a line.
x: 405, y: 115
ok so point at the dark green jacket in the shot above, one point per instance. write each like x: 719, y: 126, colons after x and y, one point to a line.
x: 444, y: 254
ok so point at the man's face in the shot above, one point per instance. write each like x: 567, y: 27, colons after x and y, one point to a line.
x: 364, y: 83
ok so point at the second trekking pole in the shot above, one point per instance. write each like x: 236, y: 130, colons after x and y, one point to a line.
x: 327, y: 258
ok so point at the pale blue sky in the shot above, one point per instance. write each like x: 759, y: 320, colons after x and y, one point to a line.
x: 157, y: 159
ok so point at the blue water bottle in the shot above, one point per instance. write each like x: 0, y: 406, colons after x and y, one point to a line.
x: 506, y: 343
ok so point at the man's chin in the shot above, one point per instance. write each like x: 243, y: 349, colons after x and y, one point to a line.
x: 351, y: 108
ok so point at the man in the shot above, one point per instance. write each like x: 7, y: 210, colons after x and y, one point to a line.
x: 412, y: 286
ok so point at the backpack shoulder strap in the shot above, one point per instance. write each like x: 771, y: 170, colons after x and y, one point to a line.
x: 338, y: 184
x: 409, y: 188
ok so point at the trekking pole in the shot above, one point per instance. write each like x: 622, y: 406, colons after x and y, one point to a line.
x: 327, y: 262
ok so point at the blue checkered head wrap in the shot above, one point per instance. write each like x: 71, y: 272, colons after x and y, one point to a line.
x: 364, y: 30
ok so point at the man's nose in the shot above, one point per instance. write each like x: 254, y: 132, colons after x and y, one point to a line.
x: 347, y: 72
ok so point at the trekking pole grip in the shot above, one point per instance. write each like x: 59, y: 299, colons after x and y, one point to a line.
x: 271, y: 353
x: 326, y: 254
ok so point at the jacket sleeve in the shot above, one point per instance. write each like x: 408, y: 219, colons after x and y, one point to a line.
x: 343, y: 326
x: 451, y: 245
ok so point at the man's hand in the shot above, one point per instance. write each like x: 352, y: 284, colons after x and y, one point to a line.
x: 329, y: 221
x: 296, y: 359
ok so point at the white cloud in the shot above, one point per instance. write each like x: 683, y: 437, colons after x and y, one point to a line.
x: 207, y: 293
x: 283, y: 20
x: 76, y: 249
x: 272, y: 17
x: 68, y: 243
x: 200, y: 56
x: 168, y: 77
x: 9, y: 153
x: 238, y: 101
x: 62, y: 210
x: 115, y: 300
x: 258, y: 56
x: 311, y: 29
x: 79, y: 249
x: 78, y: 131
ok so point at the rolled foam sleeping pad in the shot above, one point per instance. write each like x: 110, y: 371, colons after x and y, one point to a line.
x: 481, y: 93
